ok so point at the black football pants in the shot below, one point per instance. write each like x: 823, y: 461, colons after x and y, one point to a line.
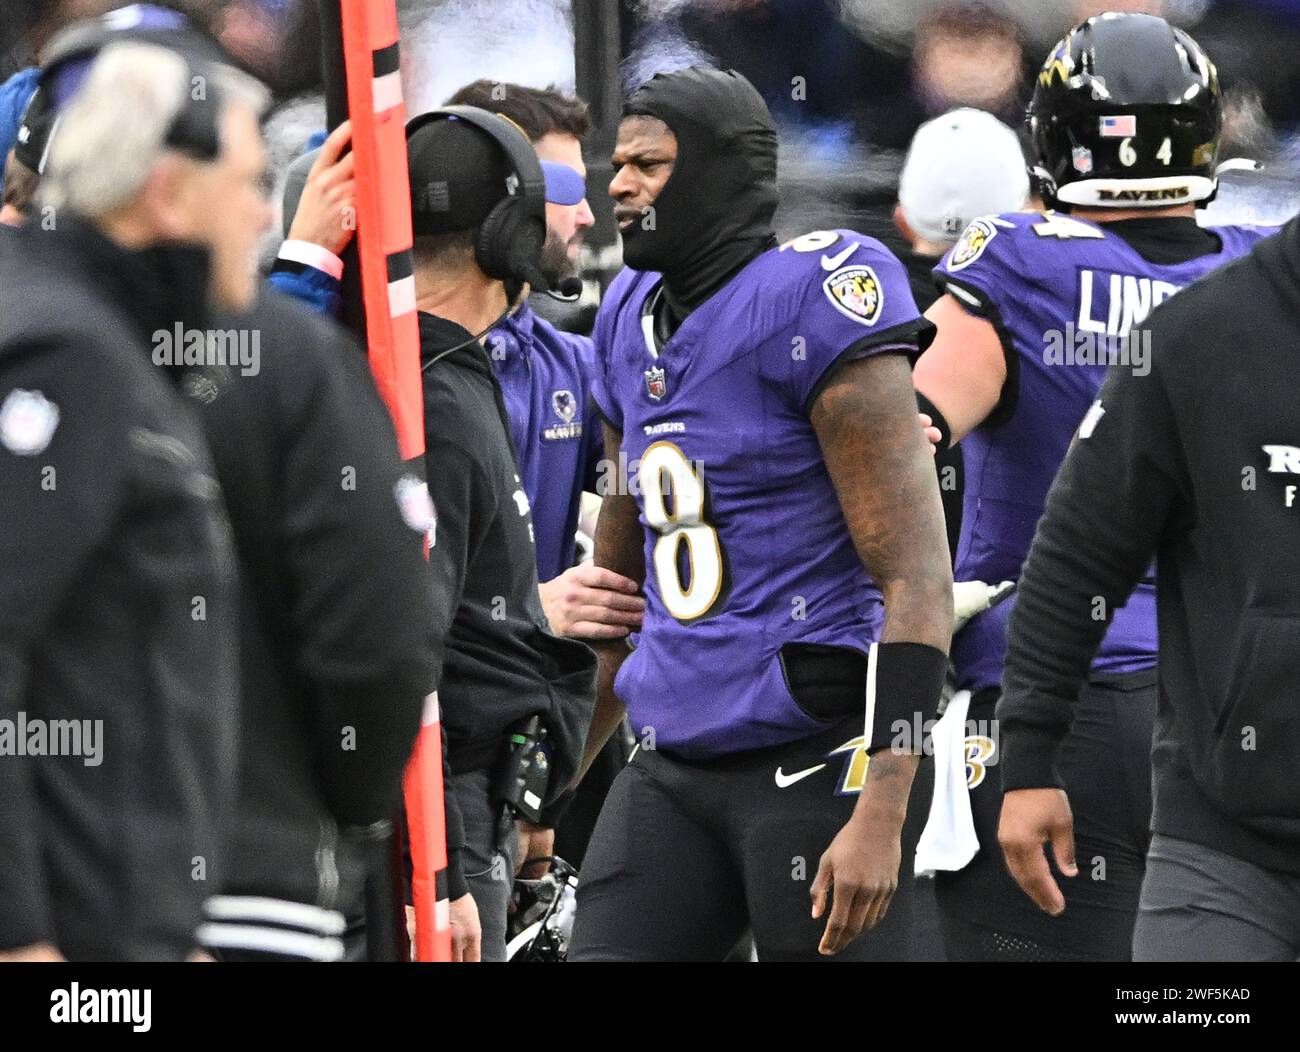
x: 1104, y: 764
x: 686, y: 857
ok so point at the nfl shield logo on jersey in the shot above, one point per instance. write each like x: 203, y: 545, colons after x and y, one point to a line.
x: 656, y: 383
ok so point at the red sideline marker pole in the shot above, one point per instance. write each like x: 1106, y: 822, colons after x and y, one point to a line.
x: 383, y: 212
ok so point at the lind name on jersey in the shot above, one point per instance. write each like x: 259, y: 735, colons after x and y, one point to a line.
x: 1131, y: 300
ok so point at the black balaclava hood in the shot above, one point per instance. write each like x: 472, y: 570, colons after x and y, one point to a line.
x: 715, y: 212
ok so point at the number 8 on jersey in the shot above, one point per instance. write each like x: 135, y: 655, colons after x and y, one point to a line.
x: 664, y: 471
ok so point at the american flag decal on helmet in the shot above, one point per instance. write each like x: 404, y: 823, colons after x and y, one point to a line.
x: 1123, y: 127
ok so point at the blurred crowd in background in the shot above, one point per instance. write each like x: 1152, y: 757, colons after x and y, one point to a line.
x: 848, y: 81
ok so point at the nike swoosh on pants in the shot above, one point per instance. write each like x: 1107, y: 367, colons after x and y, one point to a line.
x: 785, y: 780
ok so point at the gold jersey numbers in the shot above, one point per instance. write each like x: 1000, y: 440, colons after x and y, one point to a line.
x: 666, y: 473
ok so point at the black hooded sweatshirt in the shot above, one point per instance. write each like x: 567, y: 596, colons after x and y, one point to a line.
x: 117, y: 605
x: 503, y: 664
x: 337, y: 620
x: 1198, y: 463
x: 715, y: 212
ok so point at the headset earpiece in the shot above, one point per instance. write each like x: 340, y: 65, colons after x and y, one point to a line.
x: 195, y: 129
x: 496, y: 236
x: 526, y: 251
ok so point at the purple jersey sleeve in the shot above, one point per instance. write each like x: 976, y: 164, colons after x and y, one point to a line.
x: 985, y: 261
x: 999, y: 257
x: 853, y: 301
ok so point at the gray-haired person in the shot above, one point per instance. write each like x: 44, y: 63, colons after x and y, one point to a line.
x: 337, y: 648
x: 117, y: 601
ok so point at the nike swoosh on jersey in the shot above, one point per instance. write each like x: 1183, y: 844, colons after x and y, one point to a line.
x: 784, y: 781
x: 834, y: 262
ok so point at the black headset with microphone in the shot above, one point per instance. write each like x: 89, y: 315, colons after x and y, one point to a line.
x: 510, y: 238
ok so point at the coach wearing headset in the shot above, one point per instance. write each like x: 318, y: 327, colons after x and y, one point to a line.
x: 515, y: 699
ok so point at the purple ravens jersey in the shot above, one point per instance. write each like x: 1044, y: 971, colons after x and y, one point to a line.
x: 1064, y: 293
x: 746, y: 547
x: 545, y: 379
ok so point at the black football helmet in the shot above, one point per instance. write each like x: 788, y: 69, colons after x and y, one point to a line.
x: 1126, y: 113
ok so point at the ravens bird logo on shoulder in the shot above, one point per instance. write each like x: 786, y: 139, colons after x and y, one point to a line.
x: 972, y: 244
x: 856, y: 293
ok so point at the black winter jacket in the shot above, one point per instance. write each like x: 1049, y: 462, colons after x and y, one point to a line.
x: 116, y: 606
x: 338, y: 640
x: 502, y: 663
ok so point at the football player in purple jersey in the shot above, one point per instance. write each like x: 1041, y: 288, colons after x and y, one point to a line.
x: 1125, y: 122
x: 780, y: 507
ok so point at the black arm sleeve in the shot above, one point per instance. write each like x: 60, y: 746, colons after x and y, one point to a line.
x: 1122, y: 483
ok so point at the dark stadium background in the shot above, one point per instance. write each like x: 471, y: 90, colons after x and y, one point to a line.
x: 848, y: 80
